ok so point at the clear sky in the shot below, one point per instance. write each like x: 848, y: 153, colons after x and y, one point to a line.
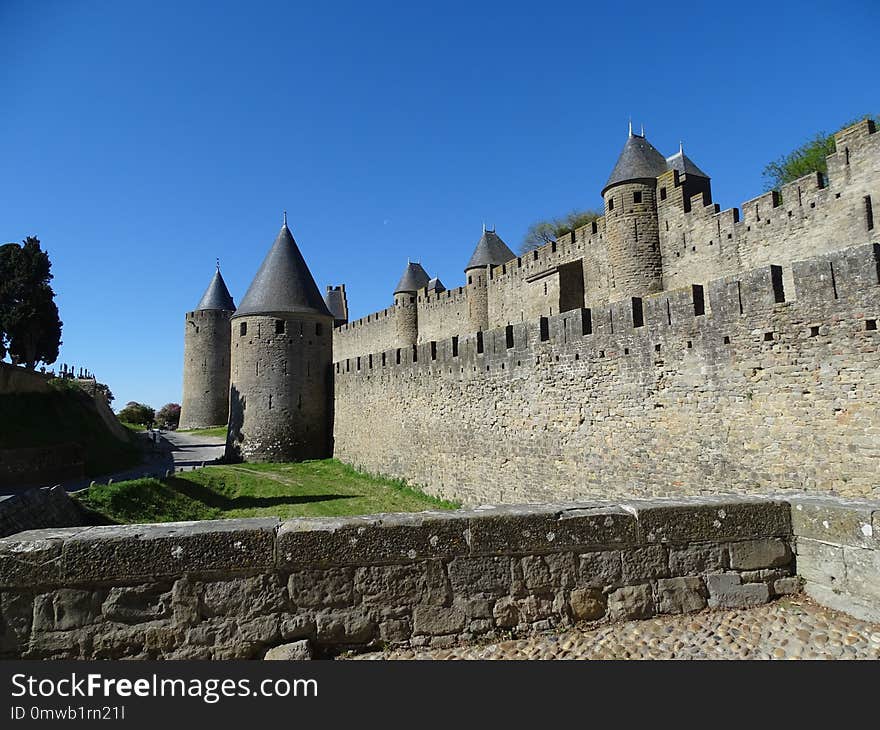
x: 141, y: 140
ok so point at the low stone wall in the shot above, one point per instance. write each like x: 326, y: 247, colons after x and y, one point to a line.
x: 237, y: 588
x: 17, y: 379
x: 36, y: 509
x: 25, y: 467
x: 838, y: 553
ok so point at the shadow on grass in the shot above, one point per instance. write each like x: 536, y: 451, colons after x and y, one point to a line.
x: 210, y: 498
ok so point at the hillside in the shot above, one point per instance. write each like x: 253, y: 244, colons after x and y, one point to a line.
x: 64, y: 415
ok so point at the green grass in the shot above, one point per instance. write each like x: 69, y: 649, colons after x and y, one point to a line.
x: 306, y: 489
x: 64, y: 415
x: 216, y: 431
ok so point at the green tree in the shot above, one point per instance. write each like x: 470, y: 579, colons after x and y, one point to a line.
x: 541, y: 233
x: 168, y: 416
x: 808, y: 158
x: 30, y: 329
x: 138, y: 413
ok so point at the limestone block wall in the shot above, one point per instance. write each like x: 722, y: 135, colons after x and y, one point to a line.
x: 442, y: 315
x: 811, y: 216
x: 742, y: 385
x: 369, y: 334
x: 236, y: 588
x: 838, y: 552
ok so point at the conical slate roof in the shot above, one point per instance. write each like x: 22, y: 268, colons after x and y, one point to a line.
x: 490, y: 251
x: 283, y: 282
x: 216, y: 296
x: 435, y: 286
x: 684, y: 164
x: 414, y: 278
x: 638, y: 160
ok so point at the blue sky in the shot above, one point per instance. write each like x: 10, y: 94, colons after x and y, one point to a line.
x: 141, y: 140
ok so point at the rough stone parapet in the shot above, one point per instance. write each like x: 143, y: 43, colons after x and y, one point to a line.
x: 247, y: 588
x: 838, y: 552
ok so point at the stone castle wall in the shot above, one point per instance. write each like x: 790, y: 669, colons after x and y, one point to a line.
x: 744, y: 384
x: 236, y: 588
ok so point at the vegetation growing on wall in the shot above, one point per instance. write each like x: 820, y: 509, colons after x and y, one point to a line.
x: 806, y: 159
x: 547, y: 231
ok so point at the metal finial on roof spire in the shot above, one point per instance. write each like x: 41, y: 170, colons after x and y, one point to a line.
x: 643, y: 130
x: 218, y: 264
x: 630, y: 126
x: 484, y: 226
x: 285, y: 217
x: 680, y: 147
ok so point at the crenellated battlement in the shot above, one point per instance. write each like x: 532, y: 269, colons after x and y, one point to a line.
x: 698, y: 243
x: 832, y: 280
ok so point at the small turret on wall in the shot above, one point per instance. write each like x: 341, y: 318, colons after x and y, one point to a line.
x: 632, y: 228
x: 490, y: 251
x: 205, y: 401
x: 281, y: 383
x: 405, y: 305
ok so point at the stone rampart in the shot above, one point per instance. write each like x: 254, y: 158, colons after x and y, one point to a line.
x: 237, y: 588
x: 746, y: 384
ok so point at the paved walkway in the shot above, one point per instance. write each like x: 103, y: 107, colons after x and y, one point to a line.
x: 789, y: 628
x: 174, y: 450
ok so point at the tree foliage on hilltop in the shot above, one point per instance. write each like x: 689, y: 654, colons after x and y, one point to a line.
x: 543, y: 232
x: 30, y: 329
x: 810, y: 157
x: 168, y: 416
x: 138, y: 413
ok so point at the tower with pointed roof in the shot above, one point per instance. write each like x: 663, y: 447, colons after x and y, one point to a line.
x: 406, y: 311
x: 490, y: 251
x: 631, y: 221
x: 205, y: 400
x: 281, y: 387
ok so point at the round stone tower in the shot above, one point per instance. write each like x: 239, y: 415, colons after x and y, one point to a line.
x: 281, y: 390
x: 205, y: 401
x: 490, y: 251
x: 632, y: 226
x: 406, y: 312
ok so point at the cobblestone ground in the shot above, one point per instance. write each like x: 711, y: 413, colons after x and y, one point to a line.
x: 791, y: 628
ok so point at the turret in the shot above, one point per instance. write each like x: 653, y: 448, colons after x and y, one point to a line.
x: 691, y: 178
x: 205, y: 400
x: 632, y: 228
x: 337, y: 303
x: 282, y: 339
x: 406, y: 314
x: 490, y: 251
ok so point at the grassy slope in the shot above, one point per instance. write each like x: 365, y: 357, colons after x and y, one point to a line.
x: 44, y: 419
x: 217, y: 431
x: 307, y: 489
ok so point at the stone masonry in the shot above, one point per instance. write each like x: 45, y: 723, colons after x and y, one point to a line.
x: 239, y: 588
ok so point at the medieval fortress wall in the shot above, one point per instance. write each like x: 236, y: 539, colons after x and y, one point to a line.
x: 727, y: 387
x: 753, y: 368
